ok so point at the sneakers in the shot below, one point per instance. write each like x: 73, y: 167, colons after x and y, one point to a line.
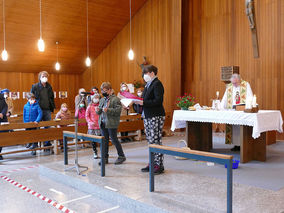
x: 158, y: 169
x: 145, y: 169
x: 106, y: 162
x: 96, y: 156
x: 120, y: 160
x: 33, y: 152
x: 28, y: 145
x: 236, y: 148
x: 1, y: 158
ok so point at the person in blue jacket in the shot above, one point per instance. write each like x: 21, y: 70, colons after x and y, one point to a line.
x: 32, y: 113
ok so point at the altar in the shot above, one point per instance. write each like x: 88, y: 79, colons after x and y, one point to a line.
x: 253, y: 128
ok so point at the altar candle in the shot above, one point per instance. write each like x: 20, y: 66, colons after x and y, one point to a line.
x: 217, y: 94
x: 248, y: 102
x: 254, y: 101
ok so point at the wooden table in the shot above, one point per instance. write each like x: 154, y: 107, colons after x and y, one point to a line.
x: 253, y: 144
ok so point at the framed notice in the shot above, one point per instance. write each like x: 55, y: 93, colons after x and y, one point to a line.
x: 62, y: 94
x: 25, y: 94
x: 14, y: 95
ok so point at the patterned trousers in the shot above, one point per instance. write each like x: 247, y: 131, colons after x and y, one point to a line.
x: 153, y: 130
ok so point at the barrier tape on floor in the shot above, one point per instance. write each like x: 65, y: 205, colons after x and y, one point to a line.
x: 46, y: 199
x: 20, y: 169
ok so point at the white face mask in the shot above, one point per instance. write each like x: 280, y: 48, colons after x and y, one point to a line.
x: 43, y: 79
x: 123, y: 88
x: 139, y: 94
x: 5, y: 96
x: 147, y: 78
x: 95, y: 100
x: 32, y: 101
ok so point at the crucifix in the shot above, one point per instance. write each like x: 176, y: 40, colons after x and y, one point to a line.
x: 252, y: 25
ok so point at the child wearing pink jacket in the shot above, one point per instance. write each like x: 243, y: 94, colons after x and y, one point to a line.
x: 93, y: 121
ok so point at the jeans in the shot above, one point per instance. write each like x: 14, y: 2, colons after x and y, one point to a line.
x: 46, y: 116
x: 112, y: 133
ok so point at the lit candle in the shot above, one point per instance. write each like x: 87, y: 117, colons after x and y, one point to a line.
x: 254, y: 101
x: 217, y: 94
x: 248, y: 102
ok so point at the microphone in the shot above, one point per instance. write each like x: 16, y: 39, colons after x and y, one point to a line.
x: 87, y: 93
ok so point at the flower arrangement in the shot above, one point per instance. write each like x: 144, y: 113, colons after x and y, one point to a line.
x: 185, y: 101
x: 138, y: 84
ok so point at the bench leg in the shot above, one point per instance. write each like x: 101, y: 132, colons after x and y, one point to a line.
x: 65, y: 150
x: 229, y: 187
x: 140, y: 135
x: 151, y: 171
x: 55, y: 147
x: 103, y: 151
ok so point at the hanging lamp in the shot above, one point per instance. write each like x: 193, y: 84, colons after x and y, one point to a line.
x: 40, y: 43
x: 57, y: 64
x: 4, y: 54
x: 130, y: 52
x: 88, y: 60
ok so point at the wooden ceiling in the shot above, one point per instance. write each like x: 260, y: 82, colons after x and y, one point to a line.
x: 63, y: 21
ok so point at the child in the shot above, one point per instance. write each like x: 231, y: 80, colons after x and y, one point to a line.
x: 32, y: 113
x: 63, y: 114
x: 81, y: 112
x: 93, y: 121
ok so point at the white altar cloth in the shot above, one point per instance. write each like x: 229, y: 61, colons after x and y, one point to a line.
x: 264, y: 120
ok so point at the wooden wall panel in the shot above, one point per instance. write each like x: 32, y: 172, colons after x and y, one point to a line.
x: 216, y: 33
x: 22, y: 82
x: 156, y: 34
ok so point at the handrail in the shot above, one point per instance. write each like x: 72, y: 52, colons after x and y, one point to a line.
x: 193, y: 154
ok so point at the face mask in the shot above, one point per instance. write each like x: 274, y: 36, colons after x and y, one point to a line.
x: 64, y: 109
x: 43, y: 79
x: 139, y: 94
x: 82, y: 105
x: 105, y: 94
x: 5, y: 96
x: 95, y: 100
x: 147, y: 78
x: 123, y: 88
x: 32, y: 101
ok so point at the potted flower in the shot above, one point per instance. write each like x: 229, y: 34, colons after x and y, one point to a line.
x: 185, y: 101
x: 138, y: 84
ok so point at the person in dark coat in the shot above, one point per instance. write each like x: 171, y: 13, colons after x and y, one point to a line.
x: 3, y: 116
x: 45, y: 97
x: 153, y: 113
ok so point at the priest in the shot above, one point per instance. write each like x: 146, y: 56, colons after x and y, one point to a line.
x: 236, y: 93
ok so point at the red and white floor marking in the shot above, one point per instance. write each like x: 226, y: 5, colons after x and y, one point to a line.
x: 20, y: 169
x: 46, y: 199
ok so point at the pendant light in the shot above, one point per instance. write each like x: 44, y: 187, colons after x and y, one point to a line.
x: 4, y: 54
x: 130, y: 52
x: 88, y: 60
x: 57, y: 65
x: 40, y: 43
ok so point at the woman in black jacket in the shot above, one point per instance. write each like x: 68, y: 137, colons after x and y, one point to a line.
x: 153, y: 113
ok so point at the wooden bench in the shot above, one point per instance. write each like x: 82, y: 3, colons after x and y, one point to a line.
x: 86, y: 137
x: 131, y: 123
x: 193, y: 154
x: 46, y: 131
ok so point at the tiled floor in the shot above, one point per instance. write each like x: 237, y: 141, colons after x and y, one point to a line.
x: 124, y: 188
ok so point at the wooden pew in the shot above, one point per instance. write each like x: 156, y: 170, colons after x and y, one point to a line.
x: 20, y: 135
x: 131, y: 123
